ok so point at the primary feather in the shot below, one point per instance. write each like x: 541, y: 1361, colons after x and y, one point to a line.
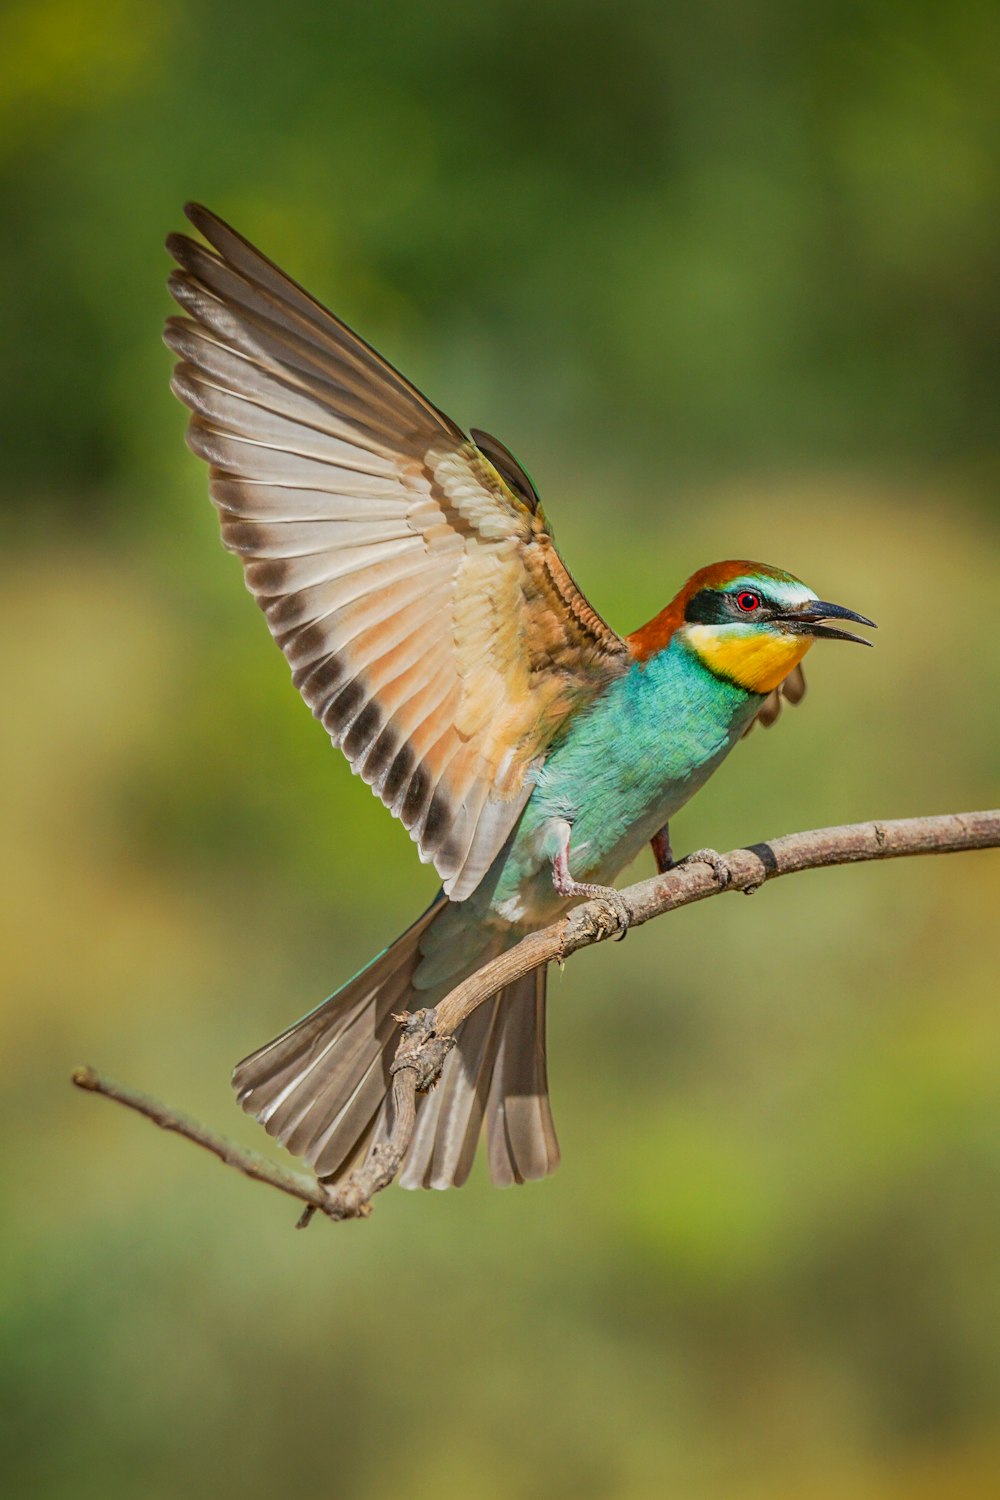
x: 417, y: 595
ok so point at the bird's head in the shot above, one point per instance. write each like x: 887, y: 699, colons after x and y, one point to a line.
x: 747, y: 622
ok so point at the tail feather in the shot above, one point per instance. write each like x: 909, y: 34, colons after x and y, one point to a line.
x: 268, y: 1078
x: 322, y: 1087
x: 311, y: 1087
x: 329, y: 1123
x: 496, y: 1072
x: 521, y: 1133
x: 350, y: 1130
x: 452, y: 1116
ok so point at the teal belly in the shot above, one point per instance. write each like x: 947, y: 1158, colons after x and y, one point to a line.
x: 621, y: 772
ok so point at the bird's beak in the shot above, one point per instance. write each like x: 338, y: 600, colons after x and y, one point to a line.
x: 807, y: 619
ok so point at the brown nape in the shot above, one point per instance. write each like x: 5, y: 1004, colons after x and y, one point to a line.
x: 655, y: 635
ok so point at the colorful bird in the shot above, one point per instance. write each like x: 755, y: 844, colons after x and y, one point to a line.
x: 408, y: 574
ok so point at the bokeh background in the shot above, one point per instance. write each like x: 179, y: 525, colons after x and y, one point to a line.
x: 726, y: 277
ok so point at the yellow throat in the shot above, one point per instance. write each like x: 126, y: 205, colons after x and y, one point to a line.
x: 756, y: 660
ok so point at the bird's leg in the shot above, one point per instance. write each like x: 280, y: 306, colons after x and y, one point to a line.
x: 664, y: 856
x: 567, y: 886
x: 662, y: 852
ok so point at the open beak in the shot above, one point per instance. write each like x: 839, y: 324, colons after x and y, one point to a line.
x: 808, y: 619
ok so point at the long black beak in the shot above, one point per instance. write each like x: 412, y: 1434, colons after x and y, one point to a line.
x: 807, y: 619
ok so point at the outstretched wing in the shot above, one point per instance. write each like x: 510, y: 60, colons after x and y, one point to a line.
x: 409, y: 580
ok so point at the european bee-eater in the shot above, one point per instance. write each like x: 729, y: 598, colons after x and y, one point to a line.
x: 408, y: 574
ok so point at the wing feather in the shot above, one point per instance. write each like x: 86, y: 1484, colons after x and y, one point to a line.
x: 411, y: 584
x: 792, y: 691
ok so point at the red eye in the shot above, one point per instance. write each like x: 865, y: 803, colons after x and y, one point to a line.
x: 747, y: 602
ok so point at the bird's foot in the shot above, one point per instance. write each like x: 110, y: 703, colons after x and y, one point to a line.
x: 720, y: 867
x: 618, y: 912
x: 617, y: 907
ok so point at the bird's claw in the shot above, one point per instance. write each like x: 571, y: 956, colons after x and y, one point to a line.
x: 615, y: 917
x: 721, y: 868
x: 617, y: 908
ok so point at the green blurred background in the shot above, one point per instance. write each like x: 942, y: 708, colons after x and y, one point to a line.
x: 726, y: 277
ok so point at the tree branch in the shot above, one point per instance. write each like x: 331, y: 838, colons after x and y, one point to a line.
x: 428, y: 1035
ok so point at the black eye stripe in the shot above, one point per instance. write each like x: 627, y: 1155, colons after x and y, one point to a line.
x: 722, y: 606
x: 707, y: 607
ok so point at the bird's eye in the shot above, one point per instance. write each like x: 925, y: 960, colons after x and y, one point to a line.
x: 747, y: 602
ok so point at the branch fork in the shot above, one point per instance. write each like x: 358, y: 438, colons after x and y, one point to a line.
x: 427, y: 1036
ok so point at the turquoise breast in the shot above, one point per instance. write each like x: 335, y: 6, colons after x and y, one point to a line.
x: 622, y: 769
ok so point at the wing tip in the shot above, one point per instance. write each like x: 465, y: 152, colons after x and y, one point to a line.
x: 197, y: 214
x: 183, y: 249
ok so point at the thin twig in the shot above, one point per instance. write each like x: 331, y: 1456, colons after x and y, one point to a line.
x: 428, y: 1035
x: 306, y: 1189
x: 416, y: 1065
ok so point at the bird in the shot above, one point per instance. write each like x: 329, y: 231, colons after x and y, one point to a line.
x: 408, y: 573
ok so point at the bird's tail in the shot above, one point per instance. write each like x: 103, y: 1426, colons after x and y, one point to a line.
x: 321, y: 1087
